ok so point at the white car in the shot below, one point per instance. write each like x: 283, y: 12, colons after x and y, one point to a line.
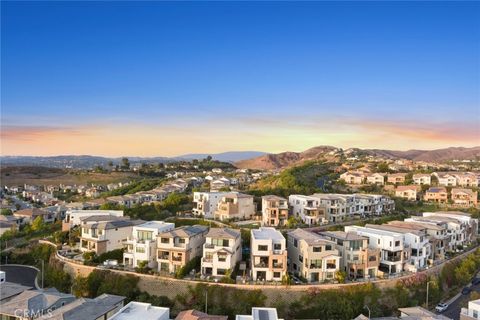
x: 441, y: 307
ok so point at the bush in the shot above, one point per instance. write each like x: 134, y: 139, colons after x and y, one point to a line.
x: 189, y: 266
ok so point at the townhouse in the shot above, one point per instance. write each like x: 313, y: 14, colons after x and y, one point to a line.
x: 274, y: 211
x: 456, y: 230
x: 177, y: 247
x: 235, y: 206
x: 470, y: 224
x: 353, y: 177
x: 308, y: 209
x: 466, y: 179
x: 389, y: 243
x: 406, y: 192
x: 446, y: 179
x: 376, y: 178
x: 222, y: 250
x: 373, y: 204
x: 268, y: 254
x: 422, y: 179
x: 141, y: 245
x: 29, y: 215
x: 205, y: 203
x: 415, y: 240
x: 436, y: 194
x: 103, y: 236
x: 312, y: 256
x: 99, y: 308
x: 396, y: 178
x: 357, y: 259
x: 464, y: 197
x: 74, y: 217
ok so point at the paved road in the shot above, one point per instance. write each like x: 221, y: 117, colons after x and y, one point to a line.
x: 453, y: 311
x: 23, y: 204
x: 20, y: 274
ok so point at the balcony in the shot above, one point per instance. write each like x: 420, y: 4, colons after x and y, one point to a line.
x: 179, y: 245
x: 207, y: 259
x: 163, y: 257
x: 393, y: 259
x: 209, y: 246
x: 176, y: 258
x: 278, y: 265
x: 331, y: 266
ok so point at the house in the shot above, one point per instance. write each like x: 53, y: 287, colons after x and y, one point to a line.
x: 104, y: 236
x: 34, y: 303
x: 222, y: 250
x: 353, y: 177
x: 406, y: 192
x: 235, y: 206
x: 389, y: 243
x: 141, y: 245
x: 205, y: 203
x: 373, y: 204
x: 396, y: 178
x: 376, y: 178
x: 8, y: 290
x: 464, y: 197
x: 416, y: 240
x: 436, y: 194
x: 422, y: 178
x: 74, y: 217
x: 467, y: 179
x: 219, y: 184
x: 139, y: 310
x: 472, y: 312
x: 175, y: 248
x: 274, y: 211
x: 312, y: 256
x: 268, y: 254
x: 198, y: 315
x: 7, y: 226
x: 358, y: 260
x: 100, y: 308
x: 260, y: 314
x: 29, y: 215
x: 468, y: 224
x: 307, y: 208
x: 446, y: 179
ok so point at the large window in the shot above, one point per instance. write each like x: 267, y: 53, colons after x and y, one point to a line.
x: 317, y: 249
x: 277, y: 246
x: 144, y: 235
x: 220, y: 242
x: 262, y: 248
x: 140, y: 249
x: 355, y: 244
x: 165, y: 240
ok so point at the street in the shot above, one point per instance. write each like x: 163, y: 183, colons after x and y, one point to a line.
x: 453, y: 311
x: 23, y: 275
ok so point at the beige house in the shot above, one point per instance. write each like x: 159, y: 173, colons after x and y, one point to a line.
x: 104, y: 236
x: 406, y: 192
x: 467, y: 179
x: 177, y: 247
x: 274, y: 211
x: 436, y: 194
x: 376, y: 178
x: 235, y: 206
x: 464, y: 197
x: 357, y: 259
x: 312, y: 256
x: 268, y: 254
x: 422, y: 178
x: 353, y: 177
x: 396, y: 178
x: 222, y: 250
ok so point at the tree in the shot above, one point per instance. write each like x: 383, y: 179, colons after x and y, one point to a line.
x: 340, y: 276
x: 6, y: 212
x: 125, y: 164
x: 38, y: 224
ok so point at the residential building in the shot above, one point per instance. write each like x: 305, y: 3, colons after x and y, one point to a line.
x: 29, y: 215
x: 466, y: 179
x: 221, y: 251
x: 260, y: 314
x: 7, y: 226
x: 358, y: 260
x: 396, y: 178
x: 464, y: 197
x: 74, y: 217
x: 198, y: 315
x: 436, y: 194
x: 100, y: 308
x: 446, y: 179
x: 353, y: 177
x: 376, y: 178
x: 469, y: 224
x: 422, y: 178
x: 141, y: 245
x: 268, y: 254
x: 139, y: 310
x: 373, y: 204
x: 312, y: 256
x: 472, y: 312
x: 104, y: 236
x: 406, y: 192
x: 419, y: 313
x: 307, y: 208
x: 8, y: 290
x: 274, y: 211
x: 391, y: 247
x: 332, y: 207
x: 415, y: 241
x: 205, y: 203
x: 177, y: 247
x: 235, y: 206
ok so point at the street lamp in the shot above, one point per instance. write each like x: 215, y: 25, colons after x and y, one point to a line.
x: 43, y: 268
x: 206, y: 300
x: 426, y: 303
x: 365, y: 306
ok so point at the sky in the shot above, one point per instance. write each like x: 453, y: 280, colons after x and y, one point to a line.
x: 169, y: 78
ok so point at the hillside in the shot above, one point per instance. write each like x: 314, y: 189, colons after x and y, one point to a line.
x: 286, y: 159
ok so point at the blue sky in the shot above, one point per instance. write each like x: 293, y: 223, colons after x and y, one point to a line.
x: 254, y: 69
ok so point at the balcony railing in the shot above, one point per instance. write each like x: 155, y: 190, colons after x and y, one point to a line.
x: 331, y: 266
x: 177, y: 258
x: 278, y: 265
x: 163, y: 257
x: 209, y: 246
x: 393, y: 259
x: 207, y: 259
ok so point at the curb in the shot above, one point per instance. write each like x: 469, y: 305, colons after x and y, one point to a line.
x: 26, y: 266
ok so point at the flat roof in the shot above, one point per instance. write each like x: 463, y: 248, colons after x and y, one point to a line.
x: 159, y: 225
x: 139, y: 310
x: 265, y: 233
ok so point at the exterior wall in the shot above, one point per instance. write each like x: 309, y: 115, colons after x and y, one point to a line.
x: 205, y: 203
x: 407, y: 194
x: 110, y: 239
x: 422, y: 179
x: 308, y: 209
x: 235, y: 208
x: 269, y: 264
x: 274, y: 212
x: 214, y: 265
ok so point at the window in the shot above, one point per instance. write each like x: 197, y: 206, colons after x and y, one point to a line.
x: 220, y: 242
x: 276, y: 274
x: 277, y: 246
x: 144, y: 235
x: 181, y: 240
x: 262, y: 248
x: 317, y: 249
x: 355, y: 244
x: 165, y: 240
x: 140, y: 249
x: 221, y: 271
x: 378, y: 241
x: 222, y: 257
x: 397, y: 243
x: 372, y: 258
x: 294, y: 266
x: 300, y: 258
x: 295, y: 243
x: 328, y: 247
x: 475, y: 314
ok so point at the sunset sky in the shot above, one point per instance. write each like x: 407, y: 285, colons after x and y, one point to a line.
x: 164, y: 79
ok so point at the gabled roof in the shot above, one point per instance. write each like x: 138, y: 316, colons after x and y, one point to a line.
x: 309, y: 237
x: 197, y: 315
x: 184, y: 232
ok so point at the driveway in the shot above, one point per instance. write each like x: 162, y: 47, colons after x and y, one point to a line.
x: 453, y: 311
x: 23, y: 275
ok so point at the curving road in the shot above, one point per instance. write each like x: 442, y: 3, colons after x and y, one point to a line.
x: 23, y: 275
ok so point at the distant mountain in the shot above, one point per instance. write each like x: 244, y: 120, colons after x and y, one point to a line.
x: 286, y: 159
x: 231, y: 156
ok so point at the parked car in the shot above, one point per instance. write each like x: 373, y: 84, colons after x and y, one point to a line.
x: 466, y: 290
x: 476, y: 281
x: 441, y: 307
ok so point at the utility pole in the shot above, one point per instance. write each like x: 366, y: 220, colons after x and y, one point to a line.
x: 206, y: 300
x: 426, y: 303
x: 43, y: 268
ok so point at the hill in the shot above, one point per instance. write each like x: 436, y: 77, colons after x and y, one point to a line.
x: 230, y: 156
